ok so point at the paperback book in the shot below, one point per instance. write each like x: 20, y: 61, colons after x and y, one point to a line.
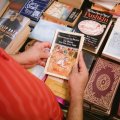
x: 45, y: 30
x: 112, y: 47
x: 65, y: 13
x: 94, y: 25
x: 13, y: 30
x: 64, y: 52
x: 33, y: 9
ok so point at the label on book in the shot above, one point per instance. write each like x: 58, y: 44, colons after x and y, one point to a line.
x: 93, y: 25
x: 64, y: 52
x: 102, y: 85
x: 73, y: 15
x: 34, y: 8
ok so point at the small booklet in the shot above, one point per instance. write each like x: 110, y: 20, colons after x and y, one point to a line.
x: 64, y: 53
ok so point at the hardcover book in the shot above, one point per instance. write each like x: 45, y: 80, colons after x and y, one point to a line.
x: 94, y: 25
x: 112, y: 47
x: 12, y: 24
x: 45, y: 30
x: 33, y: 9
x: 102, y: 85
x: 64, y: 52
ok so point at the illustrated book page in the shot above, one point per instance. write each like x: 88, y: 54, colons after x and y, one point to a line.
x: 64, y: 53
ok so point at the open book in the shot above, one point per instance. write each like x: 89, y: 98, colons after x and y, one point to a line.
x: 64, y: 53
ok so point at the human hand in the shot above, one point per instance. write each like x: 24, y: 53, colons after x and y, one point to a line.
x: 37, y: 54
x: 78, y: 79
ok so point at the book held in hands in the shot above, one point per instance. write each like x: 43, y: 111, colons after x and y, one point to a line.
x: 64, y: 53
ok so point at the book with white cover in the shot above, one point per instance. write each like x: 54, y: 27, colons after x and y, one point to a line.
x: 45, y: 30
x: 64, y: 53
x: 112, y: 47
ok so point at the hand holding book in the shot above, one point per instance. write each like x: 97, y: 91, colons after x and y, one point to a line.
x: 37, y: 54
x: 78, y: 78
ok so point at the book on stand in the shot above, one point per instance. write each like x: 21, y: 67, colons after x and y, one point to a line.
x: 64, y: 53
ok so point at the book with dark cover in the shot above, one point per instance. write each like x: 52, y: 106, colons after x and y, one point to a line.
x: 11, y: 24
x: 89, y: 59
x: 34, y: 9
x: 93, y: 24
x: 102, y: 85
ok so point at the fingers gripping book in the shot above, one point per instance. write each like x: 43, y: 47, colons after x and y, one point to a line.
x: 64, y: 53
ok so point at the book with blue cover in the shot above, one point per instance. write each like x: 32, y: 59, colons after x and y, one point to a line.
x: 34, y: 9
x: 45, y: 30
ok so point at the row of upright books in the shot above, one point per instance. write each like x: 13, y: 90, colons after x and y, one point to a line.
x: 98, y: 23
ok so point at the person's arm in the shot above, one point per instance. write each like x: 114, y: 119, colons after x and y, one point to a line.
x: 37, y: 54
x: 77, y: 82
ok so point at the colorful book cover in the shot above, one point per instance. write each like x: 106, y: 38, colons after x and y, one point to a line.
x: 10, y: 25
x: 93, y: 24
x: 64, y: 52
x: 102, y: 85
x: 45, y: 30
x: 34, y: 9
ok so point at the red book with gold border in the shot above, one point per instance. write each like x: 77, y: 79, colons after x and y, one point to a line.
x: 103, y: 83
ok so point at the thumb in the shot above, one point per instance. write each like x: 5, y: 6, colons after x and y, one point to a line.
x: 44, y: 55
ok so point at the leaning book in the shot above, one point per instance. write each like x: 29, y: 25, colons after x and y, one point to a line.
x: 64, y: 53
x: 112, y: 47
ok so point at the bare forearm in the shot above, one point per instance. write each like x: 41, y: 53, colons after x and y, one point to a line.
x: 75, y: 109
x: 19, y: 58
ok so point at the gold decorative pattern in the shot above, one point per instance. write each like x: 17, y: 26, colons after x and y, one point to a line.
x: 102, y: 97
x: 103, y: 82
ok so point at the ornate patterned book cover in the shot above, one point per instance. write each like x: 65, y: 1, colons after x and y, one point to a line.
x: 103, y: 83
